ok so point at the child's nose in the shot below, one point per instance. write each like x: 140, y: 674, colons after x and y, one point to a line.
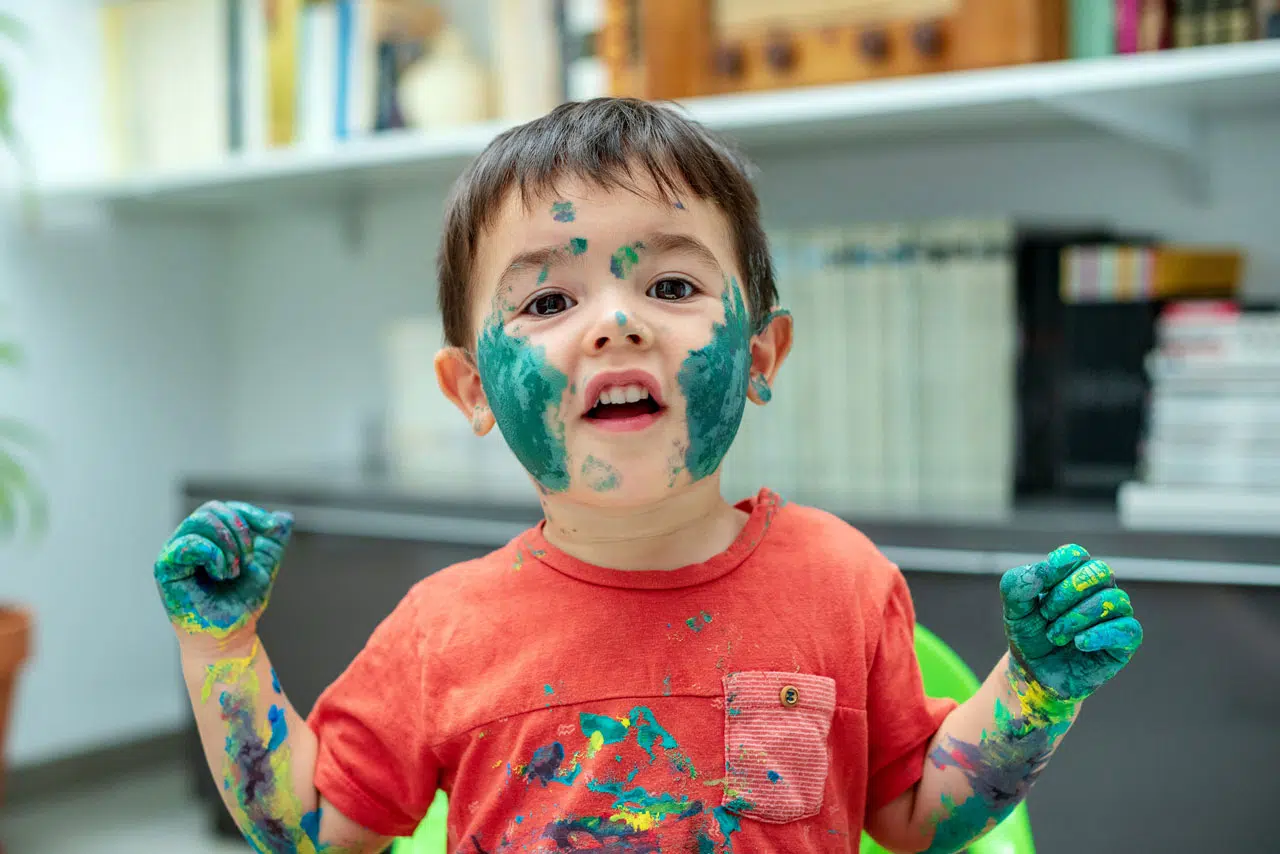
x: 617, y: 329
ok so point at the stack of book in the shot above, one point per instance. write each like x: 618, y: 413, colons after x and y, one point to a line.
x: 898, y: 396
x: 1211, y: 454
x: 1107, y: 27
x: 190, y: 83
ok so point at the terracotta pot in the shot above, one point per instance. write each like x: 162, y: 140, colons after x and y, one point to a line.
x: 15, y: 646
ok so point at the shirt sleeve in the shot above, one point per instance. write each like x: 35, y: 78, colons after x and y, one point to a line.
x: 901, y: 720
x: 375, y: 763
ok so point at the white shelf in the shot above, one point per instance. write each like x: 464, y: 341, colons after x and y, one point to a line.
x: 1157, y: 99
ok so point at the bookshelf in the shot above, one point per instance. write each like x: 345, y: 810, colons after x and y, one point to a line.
x: 1157, y: 99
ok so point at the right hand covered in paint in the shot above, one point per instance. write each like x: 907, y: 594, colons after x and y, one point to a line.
x: 215, y: 572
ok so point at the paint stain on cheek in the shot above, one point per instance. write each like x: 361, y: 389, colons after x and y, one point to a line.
x: 714, y: 380
x: 525, y: 392
x: 563, y: 212
x: 599, y: 475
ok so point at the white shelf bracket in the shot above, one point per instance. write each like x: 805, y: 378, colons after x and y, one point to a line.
x: 1176, y: 134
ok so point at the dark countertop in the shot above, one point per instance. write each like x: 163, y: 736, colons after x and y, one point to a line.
x: 339, y: 501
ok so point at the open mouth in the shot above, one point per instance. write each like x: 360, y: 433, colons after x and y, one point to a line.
x: 617, y: 404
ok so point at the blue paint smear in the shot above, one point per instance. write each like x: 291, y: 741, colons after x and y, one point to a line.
x: 279, y: 727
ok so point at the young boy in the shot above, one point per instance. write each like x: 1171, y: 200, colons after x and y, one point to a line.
x: 650, y: 669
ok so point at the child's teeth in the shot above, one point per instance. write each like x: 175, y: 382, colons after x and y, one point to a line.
x: 604, y: 398
x: 633, y: 393
x: 617, y: 395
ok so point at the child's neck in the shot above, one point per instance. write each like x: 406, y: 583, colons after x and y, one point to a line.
x: 690, y: 527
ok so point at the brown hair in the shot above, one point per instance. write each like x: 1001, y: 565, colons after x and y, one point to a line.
x: 602, y: 140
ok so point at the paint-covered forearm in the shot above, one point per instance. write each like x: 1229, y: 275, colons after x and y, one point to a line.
x: 986, y: 756
x: 214, y: 576
x: 1070, y: 630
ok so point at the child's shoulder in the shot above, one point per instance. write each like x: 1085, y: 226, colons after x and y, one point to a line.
x: 832, y: 546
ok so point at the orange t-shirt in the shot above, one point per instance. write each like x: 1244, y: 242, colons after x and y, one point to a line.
x: 764, y: 700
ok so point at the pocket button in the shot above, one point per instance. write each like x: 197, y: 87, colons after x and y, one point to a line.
x: 790, y: 696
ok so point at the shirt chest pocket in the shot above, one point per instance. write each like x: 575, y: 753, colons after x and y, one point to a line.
x: 776, y: 743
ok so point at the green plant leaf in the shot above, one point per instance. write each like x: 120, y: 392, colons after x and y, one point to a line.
x: 17, y: 489
x: 18, y: 433
x: 12, y: 28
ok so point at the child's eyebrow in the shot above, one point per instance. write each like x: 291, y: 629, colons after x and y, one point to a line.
x: 546, y: 256
x: 661, y: 242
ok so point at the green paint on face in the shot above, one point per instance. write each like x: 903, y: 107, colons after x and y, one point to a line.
x: 600, y: 476
x: 761, y: 387
x: 542, y: 275
x: 525, y: 393
x: 714, y: 381
x: 563, y: 212
x: 624, y: 260
x: 578, y: 245
x: 621, y: 318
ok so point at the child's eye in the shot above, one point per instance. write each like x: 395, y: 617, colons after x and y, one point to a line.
x: 549, y: 304
x: 672, y: 289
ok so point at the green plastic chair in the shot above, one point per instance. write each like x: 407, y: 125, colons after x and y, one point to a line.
x: 945, y: 675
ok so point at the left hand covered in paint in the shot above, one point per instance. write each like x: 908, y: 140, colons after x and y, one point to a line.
x: 1070, y: 628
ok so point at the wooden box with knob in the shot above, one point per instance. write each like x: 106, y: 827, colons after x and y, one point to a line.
x: 686, y: 48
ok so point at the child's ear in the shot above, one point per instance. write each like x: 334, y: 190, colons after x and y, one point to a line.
x: 769, y: 348
x: 459, y: 379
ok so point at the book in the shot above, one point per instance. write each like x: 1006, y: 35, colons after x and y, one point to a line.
x: 1143, y: 506
x: 1155, y: 25
x: 167, y: 83
x: 1119, y: 273
x: 1267, y: 21
x: 1127, y: 14
x: 1092, y: 29
x: 283, y: 19
x: 1188, y: 23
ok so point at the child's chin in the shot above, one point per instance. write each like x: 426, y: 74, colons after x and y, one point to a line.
x: 625, y: 489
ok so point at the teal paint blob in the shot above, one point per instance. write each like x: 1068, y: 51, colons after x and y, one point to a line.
x: 563, y: 212
x: 611, y: 729
x: 761, y: 387
x: 621, y: 318
x: 279, y: 727
x: 624, y: 260
x: 714, y: 381
x: 599, y: 475
x: 774, y: 776
x: 311, y: 826
x: 578, y: 245
x: 649, y: 732
x: 548, y: 689
x: 275, y: 682
x: 768, y: 318
x: 525, y: 392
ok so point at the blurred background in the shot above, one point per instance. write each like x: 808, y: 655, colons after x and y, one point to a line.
x: 1032, y: 248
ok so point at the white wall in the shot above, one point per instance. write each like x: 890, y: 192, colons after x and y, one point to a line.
x: 125, y: 379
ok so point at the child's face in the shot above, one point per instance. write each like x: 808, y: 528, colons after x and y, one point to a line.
x: 606, y: 295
